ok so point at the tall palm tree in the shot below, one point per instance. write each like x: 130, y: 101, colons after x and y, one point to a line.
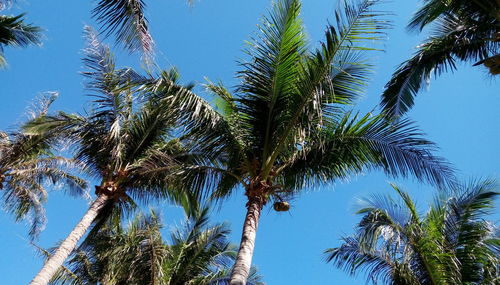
x: 451, y: 244
x: 27, y: 164
x: 196, y: 253
x: 15, y: 32
x: 287, y: 128
x: 463, y: 30
x: 126, y: 140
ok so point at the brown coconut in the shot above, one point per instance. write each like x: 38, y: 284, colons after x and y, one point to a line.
x: 281, y: 206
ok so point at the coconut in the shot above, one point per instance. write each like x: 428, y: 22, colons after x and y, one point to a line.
x: 281, y: 206
x: 495, y: 70
x: 493, y: 63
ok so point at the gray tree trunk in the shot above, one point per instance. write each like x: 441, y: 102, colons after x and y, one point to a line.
x: 243, y: 263
x: 51, y: 266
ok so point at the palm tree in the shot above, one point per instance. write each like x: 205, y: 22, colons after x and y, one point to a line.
x: 125, y: 140
x: 196, y: 254
x: 463, y: 30
x: 287, y: 128
x: 26, y: 166
x: 450, y: 244
x: 15, y: 32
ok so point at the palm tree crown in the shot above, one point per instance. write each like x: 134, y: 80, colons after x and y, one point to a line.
x: 126, y: 140
x: 451, y: 244
x: 286, y: 125
x: 196, y: 253
x: 125, y: 136
x: 27, y: 164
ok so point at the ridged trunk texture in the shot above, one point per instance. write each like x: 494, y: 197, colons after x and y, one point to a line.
x: 51, y: 266
x: 243, y: 262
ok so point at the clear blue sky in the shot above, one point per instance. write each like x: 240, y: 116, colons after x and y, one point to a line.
x: 458, y: 111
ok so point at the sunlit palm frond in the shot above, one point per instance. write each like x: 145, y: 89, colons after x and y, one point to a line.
x: 110, y: 86
x: 467, y: 230
x: 270, y: 77
x: 356, y: 25
x: 225, y: 102
x: 212, y: 139
x: 27, y: 167
x: 26, y: 199
x: 151, y: 126
x: 199, y: 252
x: 55, y: 170
x: 355, y: 144
x: 125, y: 19
x: 99, y: 62
x: 348, y: 78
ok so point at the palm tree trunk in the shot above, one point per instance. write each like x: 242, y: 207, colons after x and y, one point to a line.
x: 51, y: 266
x: 243, y: 262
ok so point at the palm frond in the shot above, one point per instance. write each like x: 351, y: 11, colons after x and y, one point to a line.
x: 26, y: 200
x: 207, y: 131
x: 353, y: 145
x: 453, y: 40
x: 110, y: 86
x: 462, y: 30
x: 270, y: 78
x: 27, y: 167
x: 15, y: 32
x: 356, y: 24
x: 465, y: 226
x: 351, y: 257
x: 429, y: 12
x: 434, y: 10
x: 125, y: 19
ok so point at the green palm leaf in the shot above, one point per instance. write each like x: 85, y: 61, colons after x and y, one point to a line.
x: 15, y: 32
x: 353, y: 145
x: 463, y: 30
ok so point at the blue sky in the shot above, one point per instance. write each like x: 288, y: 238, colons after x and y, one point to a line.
x: 458, y: 111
